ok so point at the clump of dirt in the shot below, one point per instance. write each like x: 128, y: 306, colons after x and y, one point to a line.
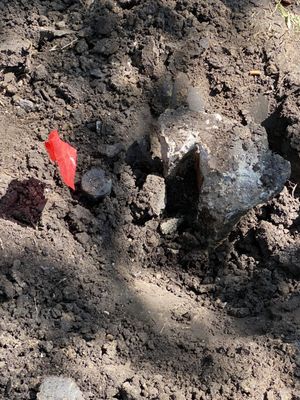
x: 24, y: 201
x: 120, y: 294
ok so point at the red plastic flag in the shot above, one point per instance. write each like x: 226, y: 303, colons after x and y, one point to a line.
x: 65, y: 156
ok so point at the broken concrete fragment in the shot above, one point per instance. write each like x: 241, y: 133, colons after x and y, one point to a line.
x: 111, y: 150
x: 235, y: 168
x: 96, y: 184
x: 59, y: 388
x: 195, y: 99
x: 152, y: 197
x: 26, y: 104
x: 49, y: 33
x: 169, y: 226
x: 13, y: 50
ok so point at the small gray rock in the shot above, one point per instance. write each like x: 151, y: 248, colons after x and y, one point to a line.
x: 60, y: 24
x: 96, y: 184
x: 51, y: 33
x: 13, y: 50
x: 195, y: 99
x: 59, y: 388
x: 8, y: 78
x: 169, y: 226
x: 82, y: 238
x: 130, y: 391
x: 26, y: 105
x: 40, y: 73
x: 11, y: 90
x: 96, y: 73
x: 99, y: 127
x: 111, y: 150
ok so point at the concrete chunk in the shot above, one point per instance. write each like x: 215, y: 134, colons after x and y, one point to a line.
x: 235, y: 168
x: 152, y: 197
x: 59, y: 388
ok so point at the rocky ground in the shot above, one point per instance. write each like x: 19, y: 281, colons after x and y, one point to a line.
x: 122, y: 295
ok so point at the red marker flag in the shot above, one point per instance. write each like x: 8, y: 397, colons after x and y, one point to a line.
x: 65, y: 156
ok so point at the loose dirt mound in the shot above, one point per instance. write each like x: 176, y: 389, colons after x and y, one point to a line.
x: 119, y: 294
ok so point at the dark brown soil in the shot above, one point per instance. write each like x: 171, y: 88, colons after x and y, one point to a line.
x: 94, y: 290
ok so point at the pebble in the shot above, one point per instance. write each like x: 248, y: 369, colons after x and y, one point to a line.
x: 153, y: 194
x: 284, y: 288
x: 195, y: 99
x: 26, y: 105
x: 210, y: 287
x: 60, y: 24
x: 40, y: 73
x: 11, y: 90
x: 8, y: 78
x: 82, y: 237
x: 59, y: 388
x: 169, y: 226
x: 96, y: 73
x: 130, y: 391
x: 96, y: 184
x: 98, y: 127
x: 111, y: 150
x: 248, y: 385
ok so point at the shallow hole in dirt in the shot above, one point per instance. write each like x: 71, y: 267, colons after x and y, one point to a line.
x: 140, y: 217
x: 128, y: 4
x: 18, y: 70
x: 139, y: 158
x: 182, y: 190
x: 276, y: 127
x: 23, y: 202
